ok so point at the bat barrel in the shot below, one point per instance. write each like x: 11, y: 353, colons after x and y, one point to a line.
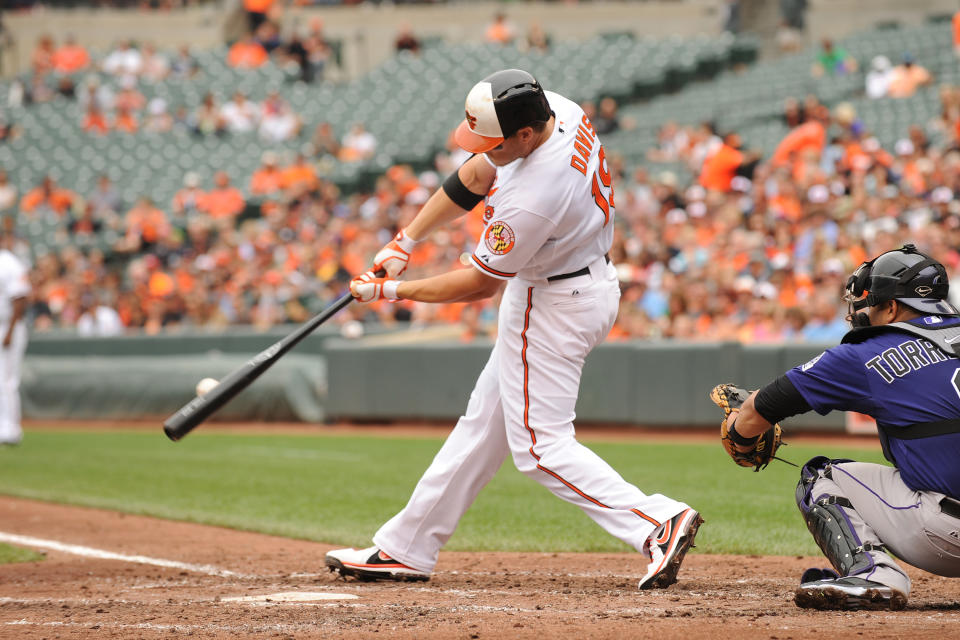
x: 200, y: 408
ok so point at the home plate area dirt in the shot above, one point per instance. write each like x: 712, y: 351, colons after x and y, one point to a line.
x: 219, y: 583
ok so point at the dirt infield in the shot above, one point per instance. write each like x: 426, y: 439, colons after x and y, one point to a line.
x: 491, y: 595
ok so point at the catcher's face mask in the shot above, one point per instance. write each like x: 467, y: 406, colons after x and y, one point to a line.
x: 856, y: 295
x: 906, y: 275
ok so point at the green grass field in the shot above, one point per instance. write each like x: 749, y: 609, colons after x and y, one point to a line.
x: 339, y: 489
x: 10, y: 554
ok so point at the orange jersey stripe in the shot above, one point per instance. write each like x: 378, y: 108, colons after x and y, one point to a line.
x: 526, y: 373
x: 502, y: 274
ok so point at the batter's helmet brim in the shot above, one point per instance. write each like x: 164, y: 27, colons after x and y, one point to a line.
x: 474, y: 142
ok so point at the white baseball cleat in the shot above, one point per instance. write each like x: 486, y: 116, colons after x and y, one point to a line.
x: 371, y: 564
x: 850, y: 593
x: 667, y: 547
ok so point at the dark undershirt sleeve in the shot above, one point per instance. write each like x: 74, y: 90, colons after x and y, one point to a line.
x: 780, y: 399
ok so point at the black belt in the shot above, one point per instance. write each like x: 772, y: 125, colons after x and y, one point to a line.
x: 573, y: 274
x: 950, y: 507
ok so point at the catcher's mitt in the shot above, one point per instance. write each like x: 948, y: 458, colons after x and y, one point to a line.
x: 763, y: 448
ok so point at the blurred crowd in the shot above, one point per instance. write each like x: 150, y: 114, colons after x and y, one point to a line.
x: 752, y: 248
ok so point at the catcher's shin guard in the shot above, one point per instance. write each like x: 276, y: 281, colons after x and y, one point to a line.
x: 829, y: 524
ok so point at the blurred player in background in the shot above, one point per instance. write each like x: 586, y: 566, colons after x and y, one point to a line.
x: 14, y: 289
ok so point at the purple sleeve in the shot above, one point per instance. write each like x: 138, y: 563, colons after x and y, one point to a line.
x: 834, y: 380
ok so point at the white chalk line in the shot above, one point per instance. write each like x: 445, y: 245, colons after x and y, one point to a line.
x: 90, y: 552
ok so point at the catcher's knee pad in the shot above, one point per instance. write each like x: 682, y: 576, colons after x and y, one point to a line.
x: 829, y: 524
x: 814, y: 469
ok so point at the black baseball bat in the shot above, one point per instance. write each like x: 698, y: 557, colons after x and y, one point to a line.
x: 202, y: 407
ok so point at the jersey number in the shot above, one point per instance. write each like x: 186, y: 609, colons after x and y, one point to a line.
x: 956, y: 381
x: 603, y: 187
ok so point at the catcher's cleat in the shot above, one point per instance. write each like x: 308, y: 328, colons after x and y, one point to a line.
x: 371, y: 564
x: 667, y: 547
x: 849, y: 594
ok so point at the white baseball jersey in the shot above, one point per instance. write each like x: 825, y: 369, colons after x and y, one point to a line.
x: 14, y: 283
x: 549, y: 214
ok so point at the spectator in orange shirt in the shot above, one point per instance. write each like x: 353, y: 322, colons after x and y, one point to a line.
x: 145, y: 225
x: 725, y: 163
x: 95, y: 121
x: 907, y: 77
x: 47, y: 195
x: 404, y: 183
x: 811, y: 135
x: 299, y: 175
x: 125, y: 121
x: 499, y: 31
x: 224, y: 200
x: 70, y: 57
x: 247, y: 53
x: 956, y: 33
x: 160, y: 284
x: 267, y: 179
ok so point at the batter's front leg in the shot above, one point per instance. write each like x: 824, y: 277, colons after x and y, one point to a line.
x: 468, y: 460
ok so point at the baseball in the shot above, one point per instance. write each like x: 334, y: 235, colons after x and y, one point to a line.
x: 352, y: 329
x: 205, y: 385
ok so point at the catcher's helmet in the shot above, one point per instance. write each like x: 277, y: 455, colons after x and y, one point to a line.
x: 904, y: 275
x: 500, y: 105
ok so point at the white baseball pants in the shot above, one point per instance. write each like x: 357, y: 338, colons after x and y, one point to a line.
x: 523, y: 404
x: 11, y: 359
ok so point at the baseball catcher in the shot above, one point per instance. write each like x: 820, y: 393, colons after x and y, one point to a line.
x: 899, y: 365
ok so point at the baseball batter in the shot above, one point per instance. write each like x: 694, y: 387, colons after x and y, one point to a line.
x: 899, y: 365
x: 14, y: 289
x: 549, y: 206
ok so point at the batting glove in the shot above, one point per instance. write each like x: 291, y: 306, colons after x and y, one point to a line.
x: 394, y: 257
x: 368, y: 287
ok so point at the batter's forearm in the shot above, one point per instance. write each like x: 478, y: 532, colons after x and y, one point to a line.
x: 462, y: 285
x: 482, y: 295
